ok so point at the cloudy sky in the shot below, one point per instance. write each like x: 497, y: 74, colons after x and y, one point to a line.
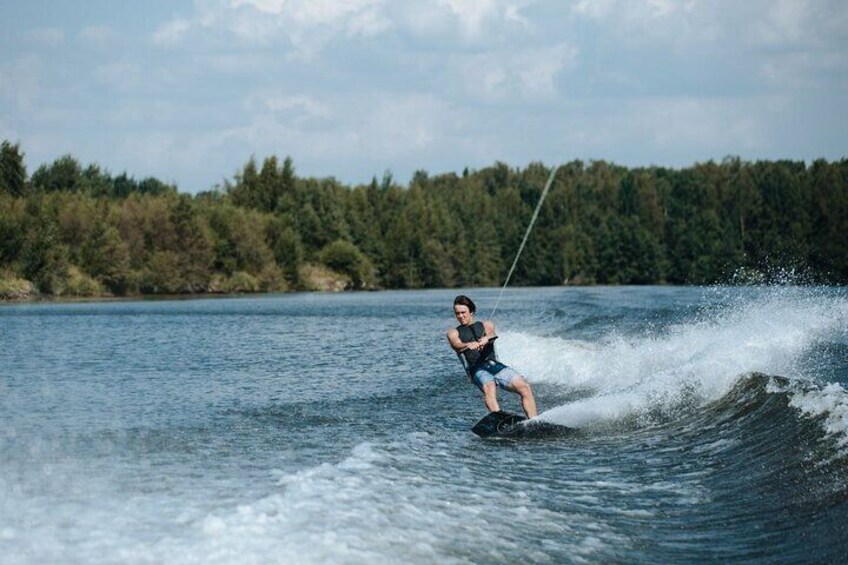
x: 188, y: 90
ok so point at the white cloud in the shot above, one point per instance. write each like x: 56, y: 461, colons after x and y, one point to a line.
x: 305, y: 27
x: 538, y: 68
x: 805, y: 71
x: 235, y: 63
x: 170, y: 33
x: 310, y: 13
x: 513, y: 13
x: 663, y: 130
x: 369, y: 23
x: 472, y: 14
x: 150, y: 149
x: 706, y: 122
x: 307, y: 14
x: 783, y: 23
x: 631, y: 10
x: 267, y: 6
x: 404, y: 124
x: 299, y: 107
x: 384, y: 126
x: 769, y: 23
x: 522, y: 73
x: 20, y: 83
x: 118, y: 75
x: 476, y: 23
x: 679, y: 25
x: 597, y: 9
x: 45, y: 37
x: 385, y: 131
x: 662, y: 8
x: 799, y: 24
x: 354, y: 87
x: 97, y: 35
x: 309, y: 25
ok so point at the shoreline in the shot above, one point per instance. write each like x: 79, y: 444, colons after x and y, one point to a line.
x: 42, y: 299
x: 46, y: 299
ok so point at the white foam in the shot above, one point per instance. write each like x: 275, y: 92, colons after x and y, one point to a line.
x: 372, y: 506
x: 830, y: 403
x: 698, y: 361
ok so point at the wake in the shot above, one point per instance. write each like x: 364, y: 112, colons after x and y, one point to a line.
x: 645, y: 376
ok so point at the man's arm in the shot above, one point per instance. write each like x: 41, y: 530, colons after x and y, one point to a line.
x: 459, y: 346
x: 489, y: 329
x: 454, y: 341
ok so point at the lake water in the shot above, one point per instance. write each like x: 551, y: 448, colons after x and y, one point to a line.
x: 712, y: 425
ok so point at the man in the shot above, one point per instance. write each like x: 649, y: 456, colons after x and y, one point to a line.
x: 474, y: 341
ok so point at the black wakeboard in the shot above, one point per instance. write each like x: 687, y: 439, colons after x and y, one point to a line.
x: 508, y: 425
x: 497, y: 424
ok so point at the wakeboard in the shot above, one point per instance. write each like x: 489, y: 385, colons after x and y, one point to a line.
x: 508, y: 425
x: 497, y: 424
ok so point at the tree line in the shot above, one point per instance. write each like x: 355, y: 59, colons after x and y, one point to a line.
x: 73, y: 230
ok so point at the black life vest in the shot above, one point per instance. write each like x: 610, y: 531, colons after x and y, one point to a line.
x: 474, y: 359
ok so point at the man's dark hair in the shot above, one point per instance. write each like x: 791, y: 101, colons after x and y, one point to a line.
x: 465, y: 301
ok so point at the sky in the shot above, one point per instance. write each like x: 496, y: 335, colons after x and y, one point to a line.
x: 188, y: 91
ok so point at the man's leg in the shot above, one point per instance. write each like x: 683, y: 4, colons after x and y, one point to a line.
x: 522, y: 388
x: 490, y: 396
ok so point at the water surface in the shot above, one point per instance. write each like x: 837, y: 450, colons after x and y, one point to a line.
x: 712, y: 425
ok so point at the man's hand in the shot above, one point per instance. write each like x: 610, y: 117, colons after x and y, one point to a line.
x: 480, y: 343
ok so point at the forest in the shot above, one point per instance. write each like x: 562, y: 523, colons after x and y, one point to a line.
x: 71, y: 230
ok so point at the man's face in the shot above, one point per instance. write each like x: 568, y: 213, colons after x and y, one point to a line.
x: 462, y: 313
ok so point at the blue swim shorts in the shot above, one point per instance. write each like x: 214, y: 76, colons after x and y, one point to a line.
x: 494, y: 371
